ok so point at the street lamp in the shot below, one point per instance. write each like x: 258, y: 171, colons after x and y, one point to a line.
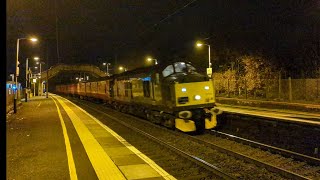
x: 27, y: 84
x: 209, y: 69
x: 38, y: 61
x: 17, y: 72
x: 12, y: 77
x: 151, y: 59
x: 107, y: 64
x: 201, y: 44
x: 121, y: 68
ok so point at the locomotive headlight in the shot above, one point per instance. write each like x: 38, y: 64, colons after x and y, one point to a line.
x: 197, y: 97
x: 184, y: 89
x: 206, y: 87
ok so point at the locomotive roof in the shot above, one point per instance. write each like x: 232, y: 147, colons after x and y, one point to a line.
x: 143, y: 70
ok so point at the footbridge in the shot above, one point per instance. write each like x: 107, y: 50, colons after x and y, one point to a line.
x: 60, y: 68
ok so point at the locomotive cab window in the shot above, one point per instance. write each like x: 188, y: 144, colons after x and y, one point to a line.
x: 183, y: 67
x: 190, y: 68
x: 167, y: 71
x: 180, y: 67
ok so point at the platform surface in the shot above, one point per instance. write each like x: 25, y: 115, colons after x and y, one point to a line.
x: 52, y: 138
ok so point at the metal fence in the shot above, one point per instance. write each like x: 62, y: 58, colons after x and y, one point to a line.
x: 272, y: 89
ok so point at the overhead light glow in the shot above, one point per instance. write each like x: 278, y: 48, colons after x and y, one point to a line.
x: 184, y: 89
x: 34, y: 39
x: 206, y: 87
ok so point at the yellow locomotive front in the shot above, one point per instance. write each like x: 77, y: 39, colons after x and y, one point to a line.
x: 197, y: 103
x: 192, y: 98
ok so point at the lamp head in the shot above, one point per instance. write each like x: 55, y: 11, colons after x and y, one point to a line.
x: 33, y: 39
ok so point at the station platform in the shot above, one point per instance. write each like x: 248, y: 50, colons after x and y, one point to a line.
x: 284, y: 113
x: 52, y: 138
x: 312, y: 107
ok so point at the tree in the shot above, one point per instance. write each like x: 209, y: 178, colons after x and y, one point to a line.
x: 257, y: 71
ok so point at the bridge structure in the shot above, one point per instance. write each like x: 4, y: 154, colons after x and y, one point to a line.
x: 60, y: 68
x: 65, y: 73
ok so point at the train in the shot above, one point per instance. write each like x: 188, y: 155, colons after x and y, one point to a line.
x: 174, y: 95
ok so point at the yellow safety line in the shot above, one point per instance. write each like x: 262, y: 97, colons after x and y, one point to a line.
x: 155, y: 166
x: 72, y: 167
x: 101, y: 162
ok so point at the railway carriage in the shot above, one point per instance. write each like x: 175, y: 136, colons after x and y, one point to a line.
x: 174, y: 95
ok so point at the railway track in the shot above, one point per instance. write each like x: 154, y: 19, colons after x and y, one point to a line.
x: 273, y: 149
x: 274, y: 162
x: 212, y: 151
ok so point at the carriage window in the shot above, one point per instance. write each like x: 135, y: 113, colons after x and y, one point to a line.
x: 167, y: 71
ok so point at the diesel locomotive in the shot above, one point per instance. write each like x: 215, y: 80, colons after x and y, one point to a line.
x: 174, y: 95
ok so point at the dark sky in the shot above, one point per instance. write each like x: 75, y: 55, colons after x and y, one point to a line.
x: 125, y: 32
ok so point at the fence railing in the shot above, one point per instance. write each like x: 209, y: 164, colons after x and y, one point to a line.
x: 272, y: 89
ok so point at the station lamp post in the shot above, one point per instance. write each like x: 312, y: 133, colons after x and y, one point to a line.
x: 107, y: 64
x: 27, y: 78
x: 17, y: 72
x: 38, y: 61
x: 121, y: 68
x: 201, y: 44
x: 209, y: 69
x: 152, y: 59
x: 104, y: 64
x: 34, y: 81
x: 12, y: 77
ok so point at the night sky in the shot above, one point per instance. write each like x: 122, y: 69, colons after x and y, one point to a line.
x: 125, y: 32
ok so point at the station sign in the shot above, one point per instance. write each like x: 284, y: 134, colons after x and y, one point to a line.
x: 209, y: 71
